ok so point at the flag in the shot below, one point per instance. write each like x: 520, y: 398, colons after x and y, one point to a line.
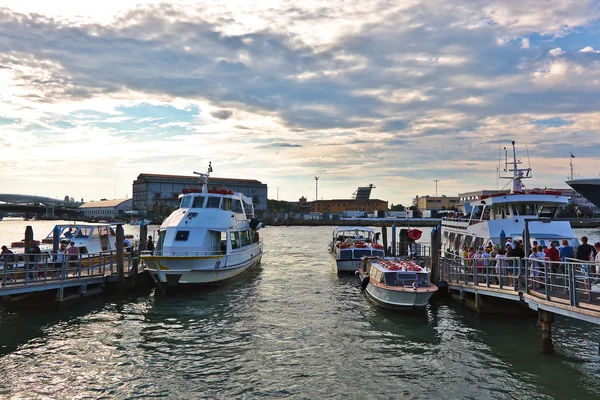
x: 572, y: 156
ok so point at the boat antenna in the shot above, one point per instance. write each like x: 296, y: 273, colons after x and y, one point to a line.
x: 518, y: 173
x: 204, y: 177
x: 528, y: 160
x: 571, y: 164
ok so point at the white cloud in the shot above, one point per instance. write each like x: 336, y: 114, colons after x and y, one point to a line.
x: 556, y: 52
x: 589, y: 49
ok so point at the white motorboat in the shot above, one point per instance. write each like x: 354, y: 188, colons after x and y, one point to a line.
x: 502, y: 215
x: 212, y: 237
x: 395, y: 282
x: 350, y: 243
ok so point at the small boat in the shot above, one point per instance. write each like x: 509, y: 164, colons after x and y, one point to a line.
x: 212, y: 237
x: 137, y: 221
x: 350, y: 243
x: 395, y: 282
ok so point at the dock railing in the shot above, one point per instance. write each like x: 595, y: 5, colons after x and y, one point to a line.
x: 571, y: 282
x: 38, y: 269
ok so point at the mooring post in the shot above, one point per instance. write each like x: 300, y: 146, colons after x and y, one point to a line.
x: 546, y: 319
x: 436, y: 245
x: 120, y: 269
x: 394, y: 252
x: 28, y: 246
x: 384, y: 238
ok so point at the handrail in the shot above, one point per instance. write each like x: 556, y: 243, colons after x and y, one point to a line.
x: 555, y: 281
x: 28, y: 269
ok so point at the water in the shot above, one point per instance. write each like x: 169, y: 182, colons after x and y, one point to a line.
x: 290, y: 328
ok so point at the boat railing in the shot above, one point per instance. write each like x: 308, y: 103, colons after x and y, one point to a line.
x: 35, y: 269
x: 183, y: 253
x: 573, y: 282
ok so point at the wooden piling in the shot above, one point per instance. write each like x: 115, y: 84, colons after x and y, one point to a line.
x: 546, y: 319
x: 28, y: 238
x: 384, y: 239
x: 436, y: 246
x: 120, y: 261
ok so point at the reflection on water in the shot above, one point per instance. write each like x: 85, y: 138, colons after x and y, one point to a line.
x: 290, y: 328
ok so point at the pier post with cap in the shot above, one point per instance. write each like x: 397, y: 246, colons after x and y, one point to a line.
x: 384, y: 239
x: 120, y: 262
x: 546, y: 319
x: 436, y: 246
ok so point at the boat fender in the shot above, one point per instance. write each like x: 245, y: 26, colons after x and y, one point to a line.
x: 364, y: 283
x: 255, y: 224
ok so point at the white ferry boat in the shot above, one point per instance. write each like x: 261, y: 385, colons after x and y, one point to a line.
x: 396, y: 283
x: 210, y: 238
x: 350, y: 243
x: 502, y: 215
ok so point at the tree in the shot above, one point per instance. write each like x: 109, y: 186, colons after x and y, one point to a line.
x: 397, y: 207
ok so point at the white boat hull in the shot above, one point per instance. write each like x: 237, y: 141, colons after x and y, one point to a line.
x: 399, y: 299
x: 347, y: 265
x: 175, y: 270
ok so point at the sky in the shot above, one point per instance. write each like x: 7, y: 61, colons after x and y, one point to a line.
x: 396, y: 94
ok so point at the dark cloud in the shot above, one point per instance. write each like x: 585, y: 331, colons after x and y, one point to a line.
x: 279, y: 145
x: 222, y: 114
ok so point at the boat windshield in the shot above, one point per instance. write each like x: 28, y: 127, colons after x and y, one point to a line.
x: 185, y: 202
x: 547, y: 211
x: 400, y: 278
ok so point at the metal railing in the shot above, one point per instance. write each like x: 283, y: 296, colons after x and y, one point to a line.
x: 573, y: 282
x: 36, y: 269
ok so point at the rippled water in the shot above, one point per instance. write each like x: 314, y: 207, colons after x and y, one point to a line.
x: 290, y: 328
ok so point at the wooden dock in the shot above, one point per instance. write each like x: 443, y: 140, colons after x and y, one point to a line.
x: 561, y: 288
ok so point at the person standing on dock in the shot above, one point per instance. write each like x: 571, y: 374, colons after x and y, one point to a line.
x: 566, y: 250
x: 586, y: 252
x: 150, y: 244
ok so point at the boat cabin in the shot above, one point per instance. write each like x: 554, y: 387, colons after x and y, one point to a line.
x: 399, y: 278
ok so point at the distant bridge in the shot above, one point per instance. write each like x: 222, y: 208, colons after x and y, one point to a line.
x: 25, y: 203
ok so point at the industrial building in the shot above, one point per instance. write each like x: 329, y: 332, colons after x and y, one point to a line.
x: 436, y: 203
x: 156, y: 196
x: 338, y: 206
x: 106, y: 209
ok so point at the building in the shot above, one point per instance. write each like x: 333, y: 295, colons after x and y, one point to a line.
x: 338, y: 206
x: 303, y: 206
x: 106, y: 209
x: 436, y: 203
x: 156, y: 196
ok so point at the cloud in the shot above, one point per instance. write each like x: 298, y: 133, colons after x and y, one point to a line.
x: 556, y: 52
x: 222, y: 114
x: 589, y: 49
x: 280, y: 145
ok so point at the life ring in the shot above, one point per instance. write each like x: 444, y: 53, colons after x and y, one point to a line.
x: 343, y: 245
x: 377, y: 246
x: 360, y: 245
x: 414, y: 234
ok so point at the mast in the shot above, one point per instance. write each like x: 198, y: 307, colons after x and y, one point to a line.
x: 204, y: 178
x: 571, y: 164
x: 518, y: 173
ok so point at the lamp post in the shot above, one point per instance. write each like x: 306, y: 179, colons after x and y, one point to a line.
x: 436, y: 199
x: 316, y: 193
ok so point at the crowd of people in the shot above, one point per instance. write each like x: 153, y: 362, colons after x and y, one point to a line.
x: 544, y: 259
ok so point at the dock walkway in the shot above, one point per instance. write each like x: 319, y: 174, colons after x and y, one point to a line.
x: 36, y: 273
x: 567, y: 288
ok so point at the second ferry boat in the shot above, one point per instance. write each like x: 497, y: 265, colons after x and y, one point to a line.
x: 212, y: 237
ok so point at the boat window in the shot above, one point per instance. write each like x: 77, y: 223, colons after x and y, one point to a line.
x: 83, y: 250
x: 249, y: 208
x: 478, y: 243
x: 160, y: 242
x: 237, y: 206
x: 198, y: 202
x: 245, y: 238
x: 226, y: 204
x: 346, y: 255
x: 547, y: 211
x: 468, y: 241
x: 391, y: 278
x: 378, y: 253
x: 182, y: 235
x: 527, y: 209
x: 213, y: 202
x: 83, y: 232
x: 223, y: 242
x: 185, y: 202
x: 458, y: 241
x: 423, y: 279
x: 406, y: 278
x: 234, y: 237
x: 362, y: 253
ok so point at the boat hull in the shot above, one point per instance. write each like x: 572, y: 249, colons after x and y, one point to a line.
x: 399, y: 299
x: 347, y: 266
x: 202, y: 270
